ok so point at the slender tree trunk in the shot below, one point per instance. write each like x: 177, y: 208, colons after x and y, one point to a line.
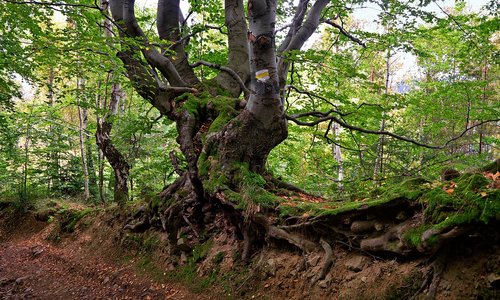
x: 104, y: 125
x: 115, y: 158
x: 484, y: 96
x: 83, y: 122
x: 379, y: 163
x: 24, y: 182
x: 100, y: 156
x: 90, y: 163
x: 337, y: 154
x: 53, y: 164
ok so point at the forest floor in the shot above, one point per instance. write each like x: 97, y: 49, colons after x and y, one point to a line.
x: 38, y: 261
x: 63, y: 249
x: 33, y: 266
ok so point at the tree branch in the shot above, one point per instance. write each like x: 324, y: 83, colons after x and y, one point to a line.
x: 345, y: 33
x: 54, y: 4
x: 298, y: 38
x: 298, y: 18
x: 238, y: 55
x: 322, y: 117
x: 168, y: 29
x: 231, y: 72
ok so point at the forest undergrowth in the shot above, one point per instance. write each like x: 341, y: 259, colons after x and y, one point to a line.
x: 416, y: 239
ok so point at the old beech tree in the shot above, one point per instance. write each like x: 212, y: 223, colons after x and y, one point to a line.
x: 228, y: 125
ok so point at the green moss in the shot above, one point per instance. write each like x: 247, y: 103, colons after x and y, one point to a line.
x: 235, y: 198
x: 218, y: 258
x: 260, y: 196
x: 222, y: 119
x: 469, y: 201
x: 190, y: 103
x: 470, y: 182
x: 410, y: 189
x: 70, y: 218
x: 244, y: 176
x: 201, y: 251
x: 414, y: 235
x: 216, y: 182
x: 492, y: 167
x: 203, y: 165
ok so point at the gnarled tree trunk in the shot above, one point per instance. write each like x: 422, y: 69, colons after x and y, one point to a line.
x: 225, y: 141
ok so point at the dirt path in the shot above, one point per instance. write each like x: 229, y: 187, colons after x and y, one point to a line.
x: 32, y: 268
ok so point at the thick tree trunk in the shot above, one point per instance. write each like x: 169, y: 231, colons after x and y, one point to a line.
x: 225, y: 141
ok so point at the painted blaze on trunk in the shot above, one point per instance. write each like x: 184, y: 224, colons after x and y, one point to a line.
x: 261, y: 126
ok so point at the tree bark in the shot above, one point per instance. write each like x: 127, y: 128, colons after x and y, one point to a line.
x: 83, y: 122
x: 117, y: 161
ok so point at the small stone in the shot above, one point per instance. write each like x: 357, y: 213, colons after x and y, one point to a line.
x: 350, y: 276
x: 37, y: 251
x: 313, y: 262
x: 363, y: 279
x: 271, y: 264
x: 183, y: 245
x: 494, y: 280
x: 376, y: 271
x: 322, y: 284
x: 357, y: 263
x: 106, y: 280
x: 184, y: 258
x: 328, y: 278
x: 21, y: 279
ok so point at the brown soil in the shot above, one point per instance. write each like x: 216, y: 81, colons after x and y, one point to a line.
x: 32, y: 267
x: 94, y: 263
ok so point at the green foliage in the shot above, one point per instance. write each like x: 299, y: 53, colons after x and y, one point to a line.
x: 453, y: 85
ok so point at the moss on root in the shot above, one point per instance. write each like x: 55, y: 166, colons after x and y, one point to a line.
x: 464, y: 202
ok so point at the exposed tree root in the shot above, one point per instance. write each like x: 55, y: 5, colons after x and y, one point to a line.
x: 433, y: 276
x: 327, y: 262
x: 443, y: 235
x: 277, y: 233
x: 391, y: 241
x: 287, y: 186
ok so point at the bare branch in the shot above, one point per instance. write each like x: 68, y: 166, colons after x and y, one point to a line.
x: 298, y: 18
x: 345, y: 33
x: 323, y: 117
x: 54, y: 4
x: 298, y: 38
x: 124, y: 16
x: 231, y: 72
x: 168, y: 29
x: 238, y: 55
x: 310, y: 94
